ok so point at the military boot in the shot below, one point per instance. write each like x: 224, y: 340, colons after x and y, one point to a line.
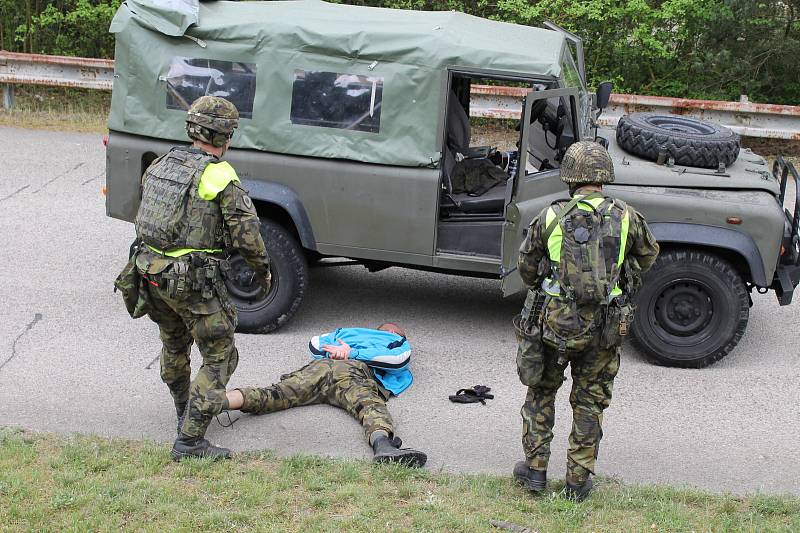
x: 197, y: 447
x: 533, y: 480
x: 576, y: 492
x: 180, y: 409
x: 388, y: 450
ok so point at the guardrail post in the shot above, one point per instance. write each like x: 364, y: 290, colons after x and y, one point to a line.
x: 8, y: 96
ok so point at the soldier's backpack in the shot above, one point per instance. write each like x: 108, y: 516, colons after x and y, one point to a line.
x: 589, y: 265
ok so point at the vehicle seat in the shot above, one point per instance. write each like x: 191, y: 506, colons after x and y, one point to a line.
x: 492, y: 201
x: 458, y: 136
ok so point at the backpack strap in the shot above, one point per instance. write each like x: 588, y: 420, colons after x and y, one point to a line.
x: 616, y: 239
x: 607, y: 204
x: 567, y: 208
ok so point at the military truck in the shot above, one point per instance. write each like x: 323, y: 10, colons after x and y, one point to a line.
x: 355, y: 142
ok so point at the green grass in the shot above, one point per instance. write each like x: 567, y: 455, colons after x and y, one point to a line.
x: 80, y: 483
x: 51, y: 108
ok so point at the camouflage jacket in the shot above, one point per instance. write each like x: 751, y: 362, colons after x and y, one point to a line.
x: 243, y: 227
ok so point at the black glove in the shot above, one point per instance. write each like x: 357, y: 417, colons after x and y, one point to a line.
x: 478, y: 393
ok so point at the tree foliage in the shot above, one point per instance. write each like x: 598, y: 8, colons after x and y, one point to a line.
x: 63, y: 27
x: 715, y: 49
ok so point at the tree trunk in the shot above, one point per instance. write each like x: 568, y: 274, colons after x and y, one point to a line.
x: 28, y: 36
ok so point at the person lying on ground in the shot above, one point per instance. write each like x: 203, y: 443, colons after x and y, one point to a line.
x: 356, y: 369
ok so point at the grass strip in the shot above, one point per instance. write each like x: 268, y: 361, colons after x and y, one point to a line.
x: 53, y: 108
x: 80, y: 483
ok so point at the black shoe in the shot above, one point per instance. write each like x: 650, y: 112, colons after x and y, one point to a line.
x: 197, y: 447
x: 180, y: 409
x: 578, y: 493
x: 533, y: 480
x: 388, y: 450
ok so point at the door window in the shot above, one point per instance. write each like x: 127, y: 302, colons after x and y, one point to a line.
x: 551, y: 131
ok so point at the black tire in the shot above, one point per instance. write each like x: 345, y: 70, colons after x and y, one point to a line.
x: 262, y: 314
x: 694, y: 143
x: 692, y: 309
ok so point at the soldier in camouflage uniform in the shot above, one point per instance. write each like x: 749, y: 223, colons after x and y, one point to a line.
x: 582, y: 261
x: 355, y: 369
x: 193, y: 210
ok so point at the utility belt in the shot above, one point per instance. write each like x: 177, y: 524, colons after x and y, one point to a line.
x: 616, y: 321
x: 571, y: 332
x: 194, y: 272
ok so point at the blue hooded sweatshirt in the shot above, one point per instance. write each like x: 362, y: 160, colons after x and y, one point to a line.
x: 387, y: 354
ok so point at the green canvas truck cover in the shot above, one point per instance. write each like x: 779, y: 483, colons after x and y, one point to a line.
x: 311, y: 78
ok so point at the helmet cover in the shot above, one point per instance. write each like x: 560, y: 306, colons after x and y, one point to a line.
x: 587, y: 162
x: 212, y: 119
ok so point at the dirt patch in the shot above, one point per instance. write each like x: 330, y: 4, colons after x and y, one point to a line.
x: 497, y: 133
x: 771, y: 148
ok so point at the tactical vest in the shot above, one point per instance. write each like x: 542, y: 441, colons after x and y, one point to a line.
x: 172, y: 215
x: 586, y: 250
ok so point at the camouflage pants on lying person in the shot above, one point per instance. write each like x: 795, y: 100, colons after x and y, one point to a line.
x: 593, y: 373
x: 346, y: 384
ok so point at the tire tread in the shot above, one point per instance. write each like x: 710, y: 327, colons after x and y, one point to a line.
x: 275, y: 236
x: 731, y: 276
x: 641, y: 139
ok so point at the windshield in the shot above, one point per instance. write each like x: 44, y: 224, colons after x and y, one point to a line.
x: 570, y: 77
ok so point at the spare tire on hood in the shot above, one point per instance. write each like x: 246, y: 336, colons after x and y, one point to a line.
x: 691, y: 142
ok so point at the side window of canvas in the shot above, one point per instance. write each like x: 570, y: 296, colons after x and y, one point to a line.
x: 190, y: 78
x: 334, y: 100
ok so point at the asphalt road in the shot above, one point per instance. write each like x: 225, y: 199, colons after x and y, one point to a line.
x: 71, y: 360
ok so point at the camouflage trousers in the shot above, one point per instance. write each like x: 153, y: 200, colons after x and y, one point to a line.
x: 593, y: 372
x: 346, y: 384
x: 209, y: 322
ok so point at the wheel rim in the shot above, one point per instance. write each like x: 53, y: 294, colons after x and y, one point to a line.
x: 244, y: 290
x: 683, y: 313
x: 693, y: 127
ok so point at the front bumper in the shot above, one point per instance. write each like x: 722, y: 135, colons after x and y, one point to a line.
x: 787, y: 275
x: 786, y: 279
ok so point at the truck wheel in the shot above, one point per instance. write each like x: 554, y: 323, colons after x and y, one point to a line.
x: 694, y: 143
x: 262, y: 314
x: 692, y: 309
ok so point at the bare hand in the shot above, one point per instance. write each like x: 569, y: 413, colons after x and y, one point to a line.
x: 337, y: 352
x: 265, y: 283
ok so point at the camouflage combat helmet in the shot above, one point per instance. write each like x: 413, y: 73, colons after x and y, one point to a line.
x: 212, y: 119
x: 587, y: 162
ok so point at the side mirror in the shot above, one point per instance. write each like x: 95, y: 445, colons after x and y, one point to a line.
x: 603, y: 94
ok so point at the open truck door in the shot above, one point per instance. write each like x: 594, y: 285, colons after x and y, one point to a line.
x: 547, y: 128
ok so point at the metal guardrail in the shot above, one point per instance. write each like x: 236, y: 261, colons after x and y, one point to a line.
x: 54, y: 71
x: 746, y: 118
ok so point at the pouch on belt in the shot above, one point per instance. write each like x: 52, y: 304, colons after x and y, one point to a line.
x: 130, y: 283
x: 528, y: 330
x: 570, y: 328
